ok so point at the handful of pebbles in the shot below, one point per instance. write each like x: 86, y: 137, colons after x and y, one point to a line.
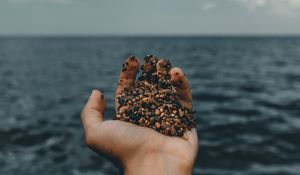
x: 152, y: 102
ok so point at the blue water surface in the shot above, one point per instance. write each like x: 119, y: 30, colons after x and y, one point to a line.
x: 246, y: 93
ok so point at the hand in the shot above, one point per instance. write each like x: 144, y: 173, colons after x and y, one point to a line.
x: 140, y: 150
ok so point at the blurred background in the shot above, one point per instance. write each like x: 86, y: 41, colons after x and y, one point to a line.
x: 242, y: 58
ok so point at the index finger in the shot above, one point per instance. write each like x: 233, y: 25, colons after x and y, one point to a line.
x: 127, y: 76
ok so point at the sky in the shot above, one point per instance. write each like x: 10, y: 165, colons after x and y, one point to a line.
x: 149, y: 17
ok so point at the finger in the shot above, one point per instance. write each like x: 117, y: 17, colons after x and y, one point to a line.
x: 149, y: 63
x: 183, y: 91
x: 127, y: 75
x: 163, y: 65
x: 93, y: 112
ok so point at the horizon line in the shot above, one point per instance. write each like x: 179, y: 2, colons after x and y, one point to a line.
x: 142, y: 35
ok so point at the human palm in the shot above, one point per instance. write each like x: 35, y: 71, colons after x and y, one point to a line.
x: 139, y: 148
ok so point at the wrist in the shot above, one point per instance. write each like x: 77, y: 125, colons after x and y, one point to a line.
x: 158, y: 164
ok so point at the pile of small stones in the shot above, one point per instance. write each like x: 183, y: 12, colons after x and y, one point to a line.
x: 152, y: 103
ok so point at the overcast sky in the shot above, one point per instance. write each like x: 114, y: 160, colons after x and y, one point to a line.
x: 151, y: 17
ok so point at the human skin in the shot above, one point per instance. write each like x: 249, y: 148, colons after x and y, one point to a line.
x: 140, y: 150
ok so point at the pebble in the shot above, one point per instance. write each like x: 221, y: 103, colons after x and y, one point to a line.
x: 180, y: 113
x: 157, y: 112
x: 157, y: 125
x: 173, y: 130
x: 152, y: 119
x: 122, y: 110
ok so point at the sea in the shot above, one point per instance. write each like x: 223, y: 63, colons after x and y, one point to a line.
x: 246, y: 94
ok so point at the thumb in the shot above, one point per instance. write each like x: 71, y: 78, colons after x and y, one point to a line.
x: 93, y: 111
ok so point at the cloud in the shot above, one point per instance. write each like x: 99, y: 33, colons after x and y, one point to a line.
x: 279, y: 7
x: 252, y: 4
x: 208, y: 5
x: 285, y: 7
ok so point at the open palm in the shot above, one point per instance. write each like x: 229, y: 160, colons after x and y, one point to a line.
x: 136, y: 146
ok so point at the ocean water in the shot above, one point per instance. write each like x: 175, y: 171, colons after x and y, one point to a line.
x: 246, y: 93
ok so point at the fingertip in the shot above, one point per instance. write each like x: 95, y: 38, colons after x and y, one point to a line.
x: 97, y: 101
x: 128, y: 74
x: 130, y: 67
x: 150, y: 62
x: 96, y: 95
x: 163, y: 65
x: 96, y: 92
x: 176, y: 71
x: 178, y: 78
x: 93, y: 112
